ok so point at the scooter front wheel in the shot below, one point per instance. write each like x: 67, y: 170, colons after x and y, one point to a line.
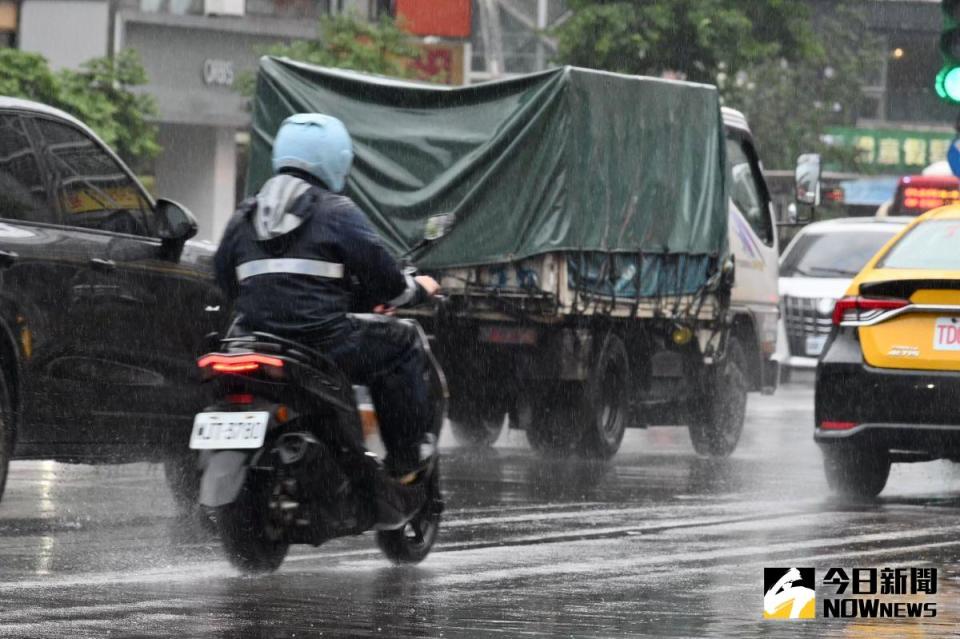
x: 412, y: 543
x: 252, y: 540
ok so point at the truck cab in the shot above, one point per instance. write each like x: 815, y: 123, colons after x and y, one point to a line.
x: 753, y: 245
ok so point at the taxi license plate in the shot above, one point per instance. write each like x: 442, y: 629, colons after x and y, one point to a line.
x: 946, y: 334
x: 229, y: 430
x: 815, y: 344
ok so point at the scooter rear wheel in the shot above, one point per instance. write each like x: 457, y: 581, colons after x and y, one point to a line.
x: 252, y: 541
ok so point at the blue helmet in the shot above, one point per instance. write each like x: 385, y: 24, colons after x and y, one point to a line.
x: 315, y: 143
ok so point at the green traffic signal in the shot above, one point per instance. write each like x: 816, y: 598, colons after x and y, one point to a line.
x: 948, y: 84
x: 951, y: 9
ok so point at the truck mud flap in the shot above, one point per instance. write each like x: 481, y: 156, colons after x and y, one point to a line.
x: 223, y: 477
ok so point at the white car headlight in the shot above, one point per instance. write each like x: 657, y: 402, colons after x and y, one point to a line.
x: 825, y: 305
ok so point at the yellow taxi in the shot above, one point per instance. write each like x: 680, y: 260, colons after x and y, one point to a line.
x: 888, y: 382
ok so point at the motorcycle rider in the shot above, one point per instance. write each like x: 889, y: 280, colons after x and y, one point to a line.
x: 298, y: 258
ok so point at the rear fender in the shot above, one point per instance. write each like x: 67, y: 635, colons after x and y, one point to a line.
x: 224, y: 472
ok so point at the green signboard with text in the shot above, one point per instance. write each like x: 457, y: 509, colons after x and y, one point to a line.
x: 894, y: 150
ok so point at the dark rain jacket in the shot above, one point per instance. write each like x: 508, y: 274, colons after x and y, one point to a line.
x: 297, y: 258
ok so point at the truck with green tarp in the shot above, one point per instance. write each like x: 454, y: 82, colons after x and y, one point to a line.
x: 606, y: 243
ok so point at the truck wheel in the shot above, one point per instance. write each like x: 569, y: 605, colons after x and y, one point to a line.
x: 474, y: 427
x: 605, y: 403
x: 7, y: 431
x: 719, y: 415
x: 856, y: 474
x: 548, y: 418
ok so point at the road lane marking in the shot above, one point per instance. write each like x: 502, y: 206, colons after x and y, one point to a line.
x: 620, y: 564
x: 201, y: 571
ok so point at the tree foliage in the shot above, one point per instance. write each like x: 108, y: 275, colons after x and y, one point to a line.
x: 100, y: 94
x: 695, y: 39
x: 345, y: 41
x: 791, y: 104
x: 792, y: 79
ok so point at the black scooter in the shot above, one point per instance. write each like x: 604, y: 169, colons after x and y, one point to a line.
x: 283, y: 460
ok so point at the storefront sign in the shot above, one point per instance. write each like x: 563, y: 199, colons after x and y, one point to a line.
x: 442, y: 62
x: 444, y: 18
x: 218, y: 72
x: 892, y: 150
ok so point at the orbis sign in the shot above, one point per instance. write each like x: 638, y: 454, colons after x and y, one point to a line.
x: 218, y: 72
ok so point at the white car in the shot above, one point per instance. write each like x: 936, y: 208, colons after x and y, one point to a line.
x: 815, y: 270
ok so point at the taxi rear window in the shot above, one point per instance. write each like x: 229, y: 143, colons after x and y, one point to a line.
x: 934, y: 244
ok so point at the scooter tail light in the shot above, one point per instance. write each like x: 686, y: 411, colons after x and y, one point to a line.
x: 243, y: 363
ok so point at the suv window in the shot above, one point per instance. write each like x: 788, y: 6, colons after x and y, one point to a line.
x: 837, y: 254
x: 93, y: 189
x: 23, y: 195
x: 746, y: 188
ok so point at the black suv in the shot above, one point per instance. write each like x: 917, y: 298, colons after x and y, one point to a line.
x: 103, y: 303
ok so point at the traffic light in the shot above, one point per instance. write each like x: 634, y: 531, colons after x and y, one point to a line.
x: 948, y: 80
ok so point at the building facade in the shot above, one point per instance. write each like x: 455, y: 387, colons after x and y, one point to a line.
x: 193, y: 51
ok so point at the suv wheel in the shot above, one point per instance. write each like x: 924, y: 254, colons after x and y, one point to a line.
x: 183, y: 479
x: 7, y: 431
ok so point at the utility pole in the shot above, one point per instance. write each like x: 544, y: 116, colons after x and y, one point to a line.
x: 492, y: 35
x: 541, y: 27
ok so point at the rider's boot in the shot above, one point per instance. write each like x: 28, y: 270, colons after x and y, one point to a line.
x: 409, y: 468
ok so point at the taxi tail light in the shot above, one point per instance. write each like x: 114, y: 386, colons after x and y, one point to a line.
x: 863, y: 308
x: 243, y: 363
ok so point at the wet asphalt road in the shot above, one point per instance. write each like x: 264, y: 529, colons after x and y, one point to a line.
x: 657, y: 543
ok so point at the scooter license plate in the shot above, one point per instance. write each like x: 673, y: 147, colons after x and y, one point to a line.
x: 229, y: 430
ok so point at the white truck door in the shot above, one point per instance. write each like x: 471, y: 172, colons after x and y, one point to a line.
x: 753, y: 241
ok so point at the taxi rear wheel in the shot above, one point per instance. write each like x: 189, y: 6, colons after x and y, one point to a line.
x: 856, y: 474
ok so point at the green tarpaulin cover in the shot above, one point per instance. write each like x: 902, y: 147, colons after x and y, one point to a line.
x: 566, y: 160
